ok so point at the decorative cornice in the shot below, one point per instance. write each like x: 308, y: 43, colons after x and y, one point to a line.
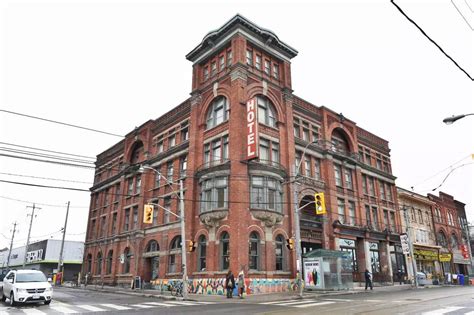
x: 211, y: 219
x: 269, y: 218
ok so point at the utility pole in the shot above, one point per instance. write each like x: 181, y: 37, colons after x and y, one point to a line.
x: 410, y: 243
x: 29, y: 233
x: 183, y: 241
x: 60, y: 261
x: 298, y: 238
x: 11, y: 245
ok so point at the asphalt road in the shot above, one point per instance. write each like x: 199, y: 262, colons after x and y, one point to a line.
x: 428, y: 301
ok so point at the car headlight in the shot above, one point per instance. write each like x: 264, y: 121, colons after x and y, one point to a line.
x: 21, y: 290
x: 50, y: 289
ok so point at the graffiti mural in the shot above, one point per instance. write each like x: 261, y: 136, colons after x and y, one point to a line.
x: 215, y: 286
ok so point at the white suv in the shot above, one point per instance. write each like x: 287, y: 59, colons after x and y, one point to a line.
x: 26, y: 286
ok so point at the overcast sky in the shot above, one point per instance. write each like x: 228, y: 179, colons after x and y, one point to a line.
x: 112, y: 65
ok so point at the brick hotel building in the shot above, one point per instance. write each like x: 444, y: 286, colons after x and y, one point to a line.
x: 240, y: 211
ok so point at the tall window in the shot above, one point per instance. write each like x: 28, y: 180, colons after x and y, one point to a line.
x: 442, y: 241
x: 138, y: 186
x: 169, y: 171
x: 225, y: 251
x: 266, y: 193
x: 126, y: 224
x: 374, y: 257
x: 371, y: 186
x: 214, y: 193
x: 267, y: 67
x: 279, y: 253
x: 307, y: 166
x: 127, y: 257
x: 389, y: 192
x: 317, y: 169
x: 229, y: 58
x: 135, y: 217
x: 114, y: 223
x: 454, y: 241
x: 382, y: 190
x: 337, y: 175
x: 364, y: 184
x: 213, y: 68
x: 184, y: 131
x: 159, y: 144
x: 352, y: 214
x: 269, y: 151
x: 99, y: 264
x: 206, y: 73
x: 117, y: 193
x: 349, y: 246
x: 166, y: 205
x: 216, y: 151
x: 174, y: 249
x: 110, y: 259
x: 266, y: 114
x: 202, y: 250
x: 183, y: 165
x: 102, y: 226
x: 249, y: 57
x: 341, y: 210
x: 130, y: 186
x: 258, y: 62
x: 375, y: 217
x: 217, y: 112
x: 392, y: 221
x: 221, y: 63
x: 450, y: 218
x: 253, y: 251
x: 171, y: 140
x: 348, y: 178
x: 276, y: 71
x: 305, y: 131
x: 367, y: 215
x: 158, y: 177
x: 89, y: 263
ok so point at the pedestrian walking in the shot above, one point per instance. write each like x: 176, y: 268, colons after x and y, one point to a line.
x: 368, y: 279
x: 241, y: 284
x: 400, y: 276
x: 229, y: 283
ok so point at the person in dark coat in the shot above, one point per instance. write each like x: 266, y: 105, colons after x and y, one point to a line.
x: 368, y: 279
x: 400, y: 276
x: 229, y: 283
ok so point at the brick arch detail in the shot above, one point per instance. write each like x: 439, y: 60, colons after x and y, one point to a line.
x: 222, y: 229
x: 201, y: 232
x: 221, y: 91
x: 256, y: 228
x: 350, y: 139
x: 131, y: 148
x: 257, y: 89
x: 279, y: 231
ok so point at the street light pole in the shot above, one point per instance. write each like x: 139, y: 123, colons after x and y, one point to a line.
x: 183, y: 227
x: 29, y: 233
x: 297, y: 222
x: 60, y: 261
x: 452, y: 119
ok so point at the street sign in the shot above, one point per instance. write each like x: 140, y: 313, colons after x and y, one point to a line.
x: 405, y: 243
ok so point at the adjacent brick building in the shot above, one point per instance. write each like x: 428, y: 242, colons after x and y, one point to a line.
x: 240, y: 211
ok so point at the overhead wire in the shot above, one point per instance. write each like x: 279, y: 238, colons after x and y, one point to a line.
x: 49, y: 151
x: 46, y: 178
x: 61, y: 123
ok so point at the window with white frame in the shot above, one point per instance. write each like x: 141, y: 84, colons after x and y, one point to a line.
x: 214, y: 194
x: 266, y: 112
x: 217, y: 112
x: 216, y: 151
x: 266, y: 193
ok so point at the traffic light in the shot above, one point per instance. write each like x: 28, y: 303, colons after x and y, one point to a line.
x: 290, y: 243
x: 320, y: 204
x: 191, y: 246
x: 148, y: 214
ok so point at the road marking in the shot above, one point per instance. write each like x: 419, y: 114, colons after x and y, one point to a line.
x: 142, y: 306
x: 276, y: 302
x: 91, y: 308
x: 375, y: 301
x: 205, y: 303
x: 32, y: 311
x: 339, y: 300
x: 160, y: 304
x: 293, y: 303
x: 313, y: 304
x: 183, y: 303
x: 470, y: 313
x: 63, y: 309
x: 443, y: 310
x: 117, y: 307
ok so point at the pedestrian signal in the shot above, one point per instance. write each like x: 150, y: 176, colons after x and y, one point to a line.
x: 290, y: 243
x: 191, y: 246
x: 148, y: 214
x: 320, y: 204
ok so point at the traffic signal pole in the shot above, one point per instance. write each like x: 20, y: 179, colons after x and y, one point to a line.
x: 60, y: 261
x: 299, y: 273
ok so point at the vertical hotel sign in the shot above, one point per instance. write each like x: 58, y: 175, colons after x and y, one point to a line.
x: 252, y: 129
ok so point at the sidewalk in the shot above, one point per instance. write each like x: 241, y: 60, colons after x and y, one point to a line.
x: 265, y: 297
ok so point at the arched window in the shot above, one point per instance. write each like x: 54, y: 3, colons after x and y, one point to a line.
x: 253, y: 251
x: 137, y: 153
x: 454, y: 241
x: 174, y: 249
x: 98, y: 271
x: 279, y: 240
x: 89, y: 263
x: 110, y: 258
x: 225, y: 251
x: 266, y: 112
x: 153, y: 246
x: 339, y: 142
x: 202, y: 249
x: 217, y: 112
x: 126, y: 260
x: 450, y: 218
x: 442, y: 241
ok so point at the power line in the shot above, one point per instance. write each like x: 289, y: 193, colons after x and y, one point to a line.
x: 439, y: 47
x: 49, y: 156
x: 41, y: 204
x: 61, y: 123
x: 46, y: 178
x: 43, y: 186
x: 46, y: 161
x: 44, y: 150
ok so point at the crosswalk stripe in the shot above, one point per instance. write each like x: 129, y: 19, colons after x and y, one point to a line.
x: 443, y: 310
x: 470, y: 313
x: 184, y: 303
x: 32, y: 311
x: 276, y: 302
x: 91, y: 308
x: 160, y: 304
x: 205, y: 303
x: 313, y: 304
x: 294, y: 303
x: 116, y: 307
x: 63, y: 309
x: 339, y: 300
x: 142, y: 306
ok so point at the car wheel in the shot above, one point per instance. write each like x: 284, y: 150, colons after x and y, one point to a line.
x: 12, y: 299
x: 3, y: 297
x: 47, y: 302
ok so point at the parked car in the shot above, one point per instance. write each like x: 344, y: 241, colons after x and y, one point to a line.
x: 26, y: 286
